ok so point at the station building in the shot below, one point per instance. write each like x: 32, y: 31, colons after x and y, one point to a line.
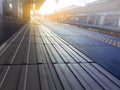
x: 103, y: 14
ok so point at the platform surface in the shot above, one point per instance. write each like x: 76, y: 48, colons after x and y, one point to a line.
x: 35, y: 58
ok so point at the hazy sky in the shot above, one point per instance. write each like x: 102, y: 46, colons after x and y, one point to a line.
x: 64, y: 3
x: 50, y: 5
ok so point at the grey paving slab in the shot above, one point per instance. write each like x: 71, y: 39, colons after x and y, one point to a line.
x: 101, y: 48
x: 44, y: 61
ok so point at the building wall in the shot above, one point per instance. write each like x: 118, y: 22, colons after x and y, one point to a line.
x: 1, y: 9
x: 104, y: 15
x: 6, y: 8
x: 110, y: 5
x: 18, y: 8
x: 15, y: 7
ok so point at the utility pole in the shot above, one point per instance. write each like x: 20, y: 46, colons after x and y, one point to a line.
x: 26, y: 9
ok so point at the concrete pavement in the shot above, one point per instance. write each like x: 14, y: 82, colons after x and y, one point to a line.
x: 103, y: 49
x: 35, y: 58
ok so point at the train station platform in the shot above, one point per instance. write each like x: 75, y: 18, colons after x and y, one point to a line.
x: 35, y: 58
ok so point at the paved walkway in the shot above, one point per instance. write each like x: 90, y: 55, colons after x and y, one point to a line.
x: 35, y: 58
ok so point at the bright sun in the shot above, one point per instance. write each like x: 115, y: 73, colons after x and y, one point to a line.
x: 48, y: 7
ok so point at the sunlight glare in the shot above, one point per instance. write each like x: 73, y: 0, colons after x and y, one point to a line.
x: 50, y: 6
